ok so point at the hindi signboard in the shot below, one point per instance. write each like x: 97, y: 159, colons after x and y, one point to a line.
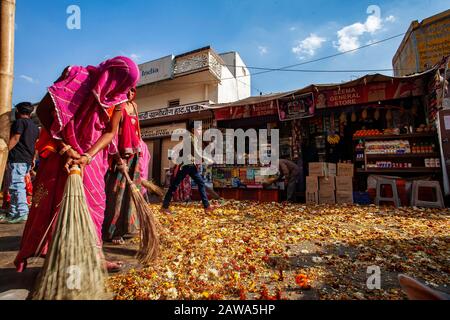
x: 266, y: 108
x: 165, y: 112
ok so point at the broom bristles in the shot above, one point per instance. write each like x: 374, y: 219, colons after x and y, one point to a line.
x: 148, y: 228
x: 212, y: 193
x: 73, y: 268
x: 150, y: 186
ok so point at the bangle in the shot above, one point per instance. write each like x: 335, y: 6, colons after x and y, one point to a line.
x: 87, y: 155
x: 65, y: 149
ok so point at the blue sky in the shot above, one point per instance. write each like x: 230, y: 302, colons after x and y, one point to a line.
x: 266, y: 33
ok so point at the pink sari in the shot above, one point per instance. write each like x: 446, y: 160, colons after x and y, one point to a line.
x: 83, y: 99
x: 143, y: 163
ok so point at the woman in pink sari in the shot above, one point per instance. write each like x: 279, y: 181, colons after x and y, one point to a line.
x: 80, y: 116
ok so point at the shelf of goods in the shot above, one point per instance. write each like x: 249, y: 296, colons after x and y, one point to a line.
x: 401, y: 155
x: 397, y: 153
x: 400, y: 170
x: 397, y: 136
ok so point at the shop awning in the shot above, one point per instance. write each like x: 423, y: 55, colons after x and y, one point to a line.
x: 366, y: 89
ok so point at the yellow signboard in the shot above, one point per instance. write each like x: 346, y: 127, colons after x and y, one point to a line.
x: 424, y: 45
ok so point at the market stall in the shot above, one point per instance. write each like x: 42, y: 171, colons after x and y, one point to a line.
x: 381, y: 125
x: 377, y: 125
x: 245, y: 181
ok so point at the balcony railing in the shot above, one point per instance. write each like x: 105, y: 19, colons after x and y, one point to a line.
x: 197, y: 61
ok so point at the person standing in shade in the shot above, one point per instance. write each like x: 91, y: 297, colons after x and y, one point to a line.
x: 290, y: 171
x: 24, y: 133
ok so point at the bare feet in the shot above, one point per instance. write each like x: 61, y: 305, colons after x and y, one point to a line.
x: 118, y: 241
x: 114, y: 266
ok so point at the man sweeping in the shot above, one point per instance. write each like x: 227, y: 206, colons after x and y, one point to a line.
x: 24, y: 134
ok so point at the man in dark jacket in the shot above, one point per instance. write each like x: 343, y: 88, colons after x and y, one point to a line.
x: 24, y: 134
x: 290, y: 171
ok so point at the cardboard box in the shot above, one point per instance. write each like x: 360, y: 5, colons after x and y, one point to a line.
x: 311, y: 197
x: 317, y: 169
x: 312, y: 184
x: 331, y: 169
x: 344, y: 184
x: 327, y: 183
x: 344, y: 197
x: 327, y: 197
x: 345, y: 169
x: 320, y: 169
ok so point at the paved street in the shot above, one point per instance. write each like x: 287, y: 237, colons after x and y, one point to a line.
x: 9, y: 244
x: 252, y: 251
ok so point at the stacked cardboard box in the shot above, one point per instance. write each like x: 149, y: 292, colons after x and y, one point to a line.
x: 344, y: 183
x: 320, y: 169
x: 312, y: 190
x: 320, y: 184
x: 327, y: 186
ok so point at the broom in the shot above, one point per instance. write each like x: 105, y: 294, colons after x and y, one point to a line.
x: 74, y: 265
x: 212, y: 193
x: 153, y: 188
x: 148, y: 225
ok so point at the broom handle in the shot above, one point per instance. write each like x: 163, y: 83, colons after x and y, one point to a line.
x: 125, y: 173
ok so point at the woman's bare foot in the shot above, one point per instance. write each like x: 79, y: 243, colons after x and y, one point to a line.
x: 118, y: 241
x: 114, y: 266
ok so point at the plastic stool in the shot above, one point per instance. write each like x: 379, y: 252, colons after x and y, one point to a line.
x: 415, y: 201
x: 394, y: 199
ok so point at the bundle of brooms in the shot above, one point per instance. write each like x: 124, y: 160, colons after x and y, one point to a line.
x: 74, y: 267
x: 148, y: 225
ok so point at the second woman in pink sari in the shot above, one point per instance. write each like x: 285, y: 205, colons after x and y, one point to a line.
x: 80, y: 117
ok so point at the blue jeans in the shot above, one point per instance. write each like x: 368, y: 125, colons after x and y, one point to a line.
x: 19, y: 205
x: 192, y: 171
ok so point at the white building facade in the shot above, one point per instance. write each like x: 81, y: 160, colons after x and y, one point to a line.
x: 176, y: 90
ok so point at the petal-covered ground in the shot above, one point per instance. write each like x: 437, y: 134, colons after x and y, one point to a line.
x: 248, y: 250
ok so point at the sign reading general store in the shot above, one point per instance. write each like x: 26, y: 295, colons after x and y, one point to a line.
x: 372, y: 92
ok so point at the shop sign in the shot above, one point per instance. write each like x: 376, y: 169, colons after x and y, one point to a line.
x: 433, y: 42
x: 372, y: 92
x: 173, y: 111
x: 248, y: 111
x: 161, y: 131
x: 156, y: 70
x: 296, y: 107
